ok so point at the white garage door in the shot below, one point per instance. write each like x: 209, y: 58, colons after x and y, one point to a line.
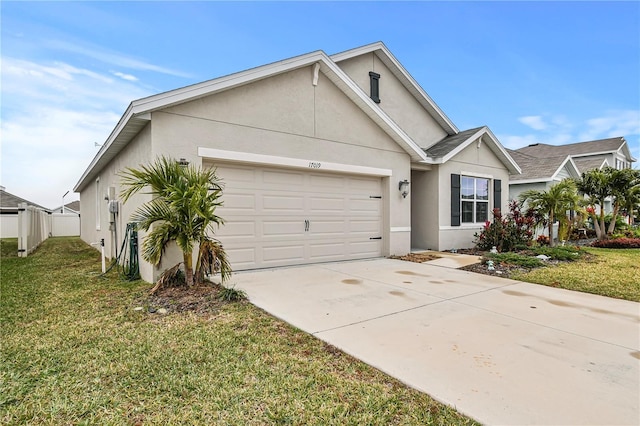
x: 279, y: 217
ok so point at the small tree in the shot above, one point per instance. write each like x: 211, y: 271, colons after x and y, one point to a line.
x: 552, y: 203
x: 182, y: 210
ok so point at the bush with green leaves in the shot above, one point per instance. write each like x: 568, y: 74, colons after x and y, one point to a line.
x: 507, y: 232
x: 514, y: 259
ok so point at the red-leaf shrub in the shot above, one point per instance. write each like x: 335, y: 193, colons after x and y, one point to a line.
x: 621, y: 243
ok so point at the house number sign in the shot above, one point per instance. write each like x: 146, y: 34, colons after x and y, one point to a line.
x: 314, y: 165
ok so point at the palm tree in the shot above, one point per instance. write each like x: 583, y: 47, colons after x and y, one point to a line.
x: 596, y: 186
x: 552, y: 203
x: 182, y: 210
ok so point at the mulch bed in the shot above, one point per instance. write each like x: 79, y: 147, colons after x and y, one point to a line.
x: 502, y: 270
x: 416, y: 257
x: 201, y: 300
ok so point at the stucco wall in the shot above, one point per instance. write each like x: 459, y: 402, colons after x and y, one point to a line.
x: 137, y: 152
x: 395, y: 99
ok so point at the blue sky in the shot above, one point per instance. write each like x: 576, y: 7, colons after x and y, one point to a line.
x: 552, y: 72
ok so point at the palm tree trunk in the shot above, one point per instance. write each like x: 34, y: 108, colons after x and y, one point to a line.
x: 614, y: 215
x: 551, y: 228
x: 188, y: 268
x: 603, y: 232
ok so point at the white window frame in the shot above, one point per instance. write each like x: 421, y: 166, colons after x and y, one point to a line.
x: 474, y: 200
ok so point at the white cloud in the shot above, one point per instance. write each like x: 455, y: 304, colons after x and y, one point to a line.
x: 124, y: 76
x: 533, y: 121
x: 611, y: 124
x: 52, y: 113
x: 112, y: 58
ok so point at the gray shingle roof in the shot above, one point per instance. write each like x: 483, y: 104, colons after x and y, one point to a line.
x: 536, y: 168
x: 10, y: 201
x: 587, y: 163
x: 542, y: 150
x: 448, y: 144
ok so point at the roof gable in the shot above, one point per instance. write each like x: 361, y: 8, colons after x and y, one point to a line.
x: 542, y: 169
x: 390, y: 61
x: 450, y: 146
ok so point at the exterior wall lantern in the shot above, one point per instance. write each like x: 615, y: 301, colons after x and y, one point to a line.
x: 183, y: 162
x: 403, y: 187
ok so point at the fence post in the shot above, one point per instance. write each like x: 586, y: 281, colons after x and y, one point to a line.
x: 23, y: 229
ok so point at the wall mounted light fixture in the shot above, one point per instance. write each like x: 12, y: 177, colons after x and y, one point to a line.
x: 403, y: 187
x: 183, y: 162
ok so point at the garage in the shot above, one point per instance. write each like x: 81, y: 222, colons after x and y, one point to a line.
x: 282, y: 216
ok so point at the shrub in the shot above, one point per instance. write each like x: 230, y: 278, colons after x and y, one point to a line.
x: 231, y: 294
x: 507, y: 232
x: 558, y: 253
x: 514, y: 259
x: 620, y: 243
x: 543, y: 240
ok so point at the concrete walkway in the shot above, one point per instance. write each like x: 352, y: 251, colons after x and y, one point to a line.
x: 500, y: 351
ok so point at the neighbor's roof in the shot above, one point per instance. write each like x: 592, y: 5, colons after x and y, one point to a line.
x: 586, y: 163
x: 448, y: 147
x: 541, y: 169
x: 580, y: 149
x: 10, y: 202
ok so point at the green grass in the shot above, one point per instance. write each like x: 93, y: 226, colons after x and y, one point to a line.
x: 608, y: 272
x: 75, y: 352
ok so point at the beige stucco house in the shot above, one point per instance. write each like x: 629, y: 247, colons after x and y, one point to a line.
x: 323, y: 158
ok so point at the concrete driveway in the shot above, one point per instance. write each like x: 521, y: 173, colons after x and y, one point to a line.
x: 500, y: 351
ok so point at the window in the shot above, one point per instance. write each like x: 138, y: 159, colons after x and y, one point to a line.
x: 375, y: 86
x: 474, y: 196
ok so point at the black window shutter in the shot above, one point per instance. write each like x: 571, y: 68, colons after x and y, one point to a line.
x: 374, y: 79
x: 455, y: 200
x: 497, y: 193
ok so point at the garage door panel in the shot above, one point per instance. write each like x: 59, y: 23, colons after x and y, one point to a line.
x: 327, y: 251
x: 241, y: 258
x: 283, y: 253
x: 240, y: 229
x: 235, y: 202
x: 369, y: 248
x: 240, y: 176
x: 327, y: 227
x: 364, y: 226
x: 283, y: 203
x: 276, y: 228
x: 327, y: 204
x: 368, y: 206
x: 283, y: 180
x: 365, y: 185
x: 324, y: 182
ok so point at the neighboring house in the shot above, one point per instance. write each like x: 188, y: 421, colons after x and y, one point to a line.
x: 544, y: 165
x: 323, y: 158
x: 69, y: 208
x: 9, y: 213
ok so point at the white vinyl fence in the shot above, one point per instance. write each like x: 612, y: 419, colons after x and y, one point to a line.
x: 65, y: 225
x: 34, y: 226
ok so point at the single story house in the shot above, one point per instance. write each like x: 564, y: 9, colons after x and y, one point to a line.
x: 323, y: 158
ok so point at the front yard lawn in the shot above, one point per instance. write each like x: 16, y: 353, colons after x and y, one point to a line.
x: 608, y: 272
x: 74, y: 351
